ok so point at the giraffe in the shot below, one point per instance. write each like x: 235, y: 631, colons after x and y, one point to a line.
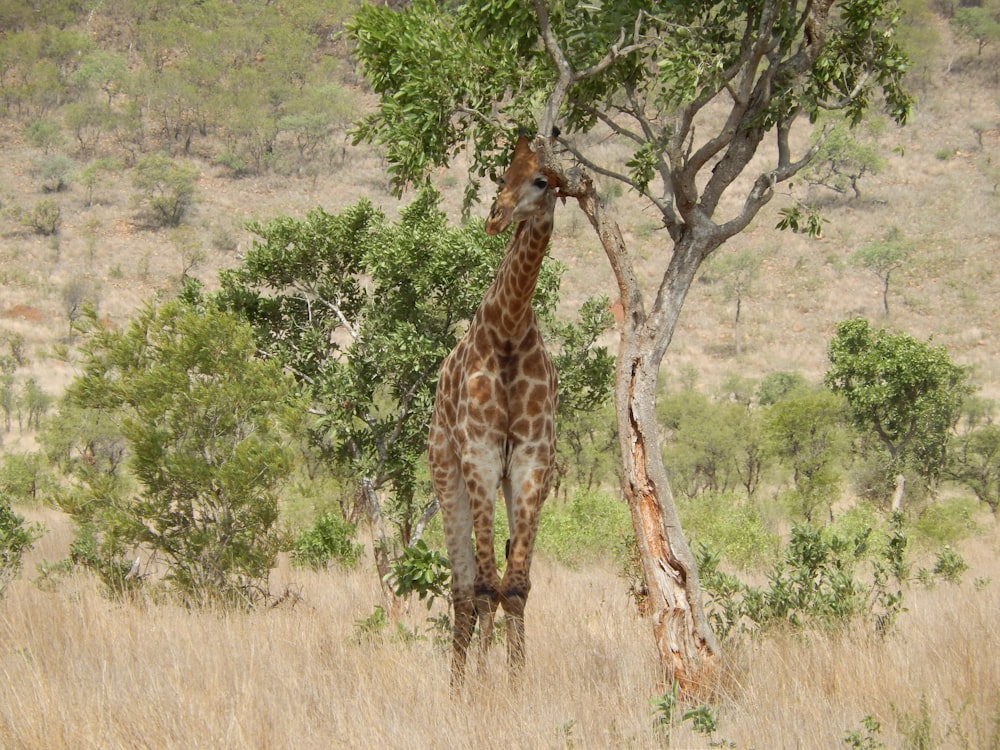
x: 493, y: 423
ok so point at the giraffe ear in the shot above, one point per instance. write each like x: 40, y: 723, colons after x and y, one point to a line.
x: 523, y: 145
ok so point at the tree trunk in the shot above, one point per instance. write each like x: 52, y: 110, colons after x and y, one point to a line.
x: 686, y: 644
x: 897, y: 495
x: 380, y: 540
x: 736, y: 325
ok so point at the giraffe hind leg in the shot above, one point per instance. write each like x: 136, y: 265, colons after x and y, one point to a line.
x: 465, y: 623
x: 514, y: 600
x: 487, y: 602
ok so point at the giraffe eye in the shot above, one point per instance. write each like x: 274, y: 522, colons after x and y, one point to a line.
x: 541, y: 183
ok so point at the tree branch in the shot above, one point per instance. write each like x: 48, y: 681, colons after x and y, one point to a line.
x: 567, y: 76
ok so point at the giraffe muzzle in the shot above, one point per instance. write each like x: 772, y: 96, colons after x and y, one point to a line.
x: 498, y: 220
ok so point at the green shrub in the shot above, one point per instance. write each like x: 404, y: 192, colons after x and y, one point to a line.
x: 731, y: 526
x: 16, y: 538
x: 54, y: 172
x: 202, y: 452
x: 166, y: 190
x: 328, y: 540
x: 815, y: 583
x: 44, y: 218
x: 778, y: 385
x: 588, y: 527
x: 232, y: 161
x: 945, y: 522
x: 422, y: 571
x: 25, y: 477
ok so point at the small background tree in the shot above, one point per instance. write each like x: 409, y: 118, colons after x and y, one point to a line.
x: 904, y: 393
x: 882, y: 258
x: 807, y: 431
x: 845, y: 156
x: 165, y: 190
x: 736, y: 272
x: 199, y: 424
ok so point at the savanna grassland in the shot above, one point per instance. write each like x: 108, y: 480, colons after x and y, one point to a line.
x: 82, y: 671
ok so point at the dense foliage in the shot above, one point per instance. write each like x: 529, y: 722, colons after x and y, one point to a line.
x: 907, y: 394
x: 196, y: 419
x: 362, y: 310
x: 16, y: 538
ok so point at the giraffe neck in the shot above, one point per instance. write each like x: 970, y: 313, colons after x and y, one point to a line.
x: 506, y: 309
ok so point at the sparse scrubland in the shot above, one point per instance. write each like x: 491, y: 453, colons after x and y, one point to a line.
x: 108, y: 211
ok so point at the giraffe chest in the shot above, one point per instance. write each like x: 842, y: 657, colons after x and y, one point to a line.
x: 503, y: 394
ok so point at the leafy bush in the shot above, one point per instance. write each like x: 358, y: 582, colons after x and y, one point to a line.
x: 588, y: 527
x: 422, y: 571
x: 949, y: 565
x: 43, y: 218
x: 25, y: 478
x: 166, y: 189
x: 16, y: 538
x: 778, y: 385
x: 866, y: 738
x: 709, y: 446
x: 235, y: 163
x: 199, y: 421
x: 54, y: 172
x: 731, y: 526
x: 945, y: 522
x: 328, y: 540
x: 816, y: 582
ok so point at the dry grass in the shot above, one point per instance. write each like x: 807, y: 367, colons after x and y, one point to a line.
x: 81, y: 672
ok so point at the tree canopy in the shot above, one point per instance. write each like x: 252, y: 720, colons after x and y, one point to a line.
x: 907, y: 393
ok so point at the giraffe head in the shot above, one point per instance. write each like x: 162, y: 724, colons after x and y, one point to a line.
x: 525, y: 189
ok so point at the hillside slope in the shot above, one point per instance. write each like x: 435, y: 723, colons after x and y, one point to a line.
x: 938, y: 190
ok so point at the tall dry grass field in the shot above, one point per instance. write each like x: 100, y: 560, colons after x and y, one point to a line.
x: 79, y: 671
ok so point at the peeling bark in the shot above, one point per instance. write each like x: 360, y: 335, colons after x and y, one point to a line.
x: 686, y: 645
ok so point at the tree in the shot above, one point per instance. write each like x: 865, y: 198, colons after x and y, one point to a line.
x: 200, y: 418
x: 980, y: 23
x: 974, y: 460
x: 843, y: 159
x: 710, y: 446
x: 882, y: 258
x: 26, y: 478
x: 808, y: 431
x: 691, y: 89
x: 737, y: 271
x: 906, y: 393
x: 166, y: 190
x: 363, y: 311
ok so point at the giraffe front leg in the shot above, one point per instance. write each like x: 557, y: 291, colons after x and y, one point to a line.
x: 527, y: 493
x: 487, y: 602
x: 516, y: 585
x: 487, y: 588
x: 465, y: 623
x: 514, y: 598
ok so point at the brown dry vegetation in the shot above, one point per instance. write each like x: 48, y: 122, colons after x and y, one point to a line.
x: 79, y: 671
x: 82, y: 672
